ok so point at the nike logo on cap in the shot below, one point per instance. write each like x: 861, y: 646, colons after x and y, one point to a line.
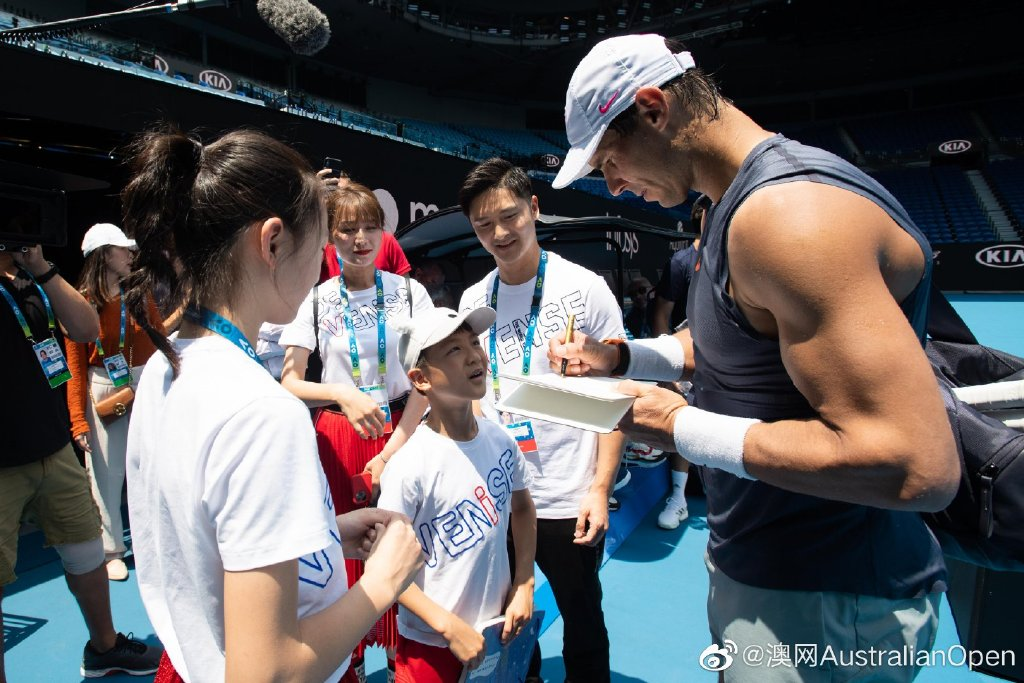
x: 604, y: 107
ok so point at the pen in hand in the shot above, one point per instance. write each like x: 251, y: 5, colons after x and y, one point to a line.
x: 568, y: 339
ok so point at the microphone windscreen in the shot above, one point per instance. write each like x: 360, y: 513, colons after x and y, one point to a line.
x: 299, y: 23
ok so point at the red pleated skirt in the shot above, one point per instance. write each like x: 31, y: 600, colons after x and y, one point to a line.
x: 344, y: 454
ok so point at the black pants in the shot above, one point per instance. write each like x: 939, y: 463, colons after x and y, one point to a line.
x: 572, y: 572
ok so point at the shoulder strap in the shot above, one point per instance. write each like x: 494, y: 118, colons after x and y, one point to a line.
x: 408, y: 292
x: 316, y: 315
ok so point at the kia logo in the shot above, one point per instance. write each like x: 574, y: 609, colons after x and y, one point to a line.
x: 1001, y: 256
x: 160, y: 64
x: 551, y: 160
x: 955, y: 146
x: 215, y: 79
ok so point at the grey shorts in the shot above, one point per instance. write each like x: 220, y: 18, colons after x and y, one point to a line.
x: 761, y: 635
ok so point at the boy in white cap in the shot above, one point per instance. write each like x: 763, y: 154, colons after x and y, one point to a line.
x: 462, y: 481
x: 816, y: 421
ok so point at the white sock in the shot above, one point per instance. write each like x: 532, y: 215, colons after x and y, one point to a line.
x: 679, y: 487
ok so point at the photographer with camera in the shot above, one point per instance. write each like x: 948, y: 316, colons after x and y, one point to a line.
x: 39, y: 474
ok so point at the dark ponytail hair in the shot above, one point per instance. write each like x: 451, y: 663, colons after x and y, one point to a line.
x: 191, y: 202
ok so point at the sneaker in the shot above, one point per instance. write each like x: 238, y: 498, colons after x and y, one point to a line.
x: 641, y: 455
x: 128, y: 656
x: 674, y: 513
x: 117, y: 570
x: 622, y: 478
x: 613, y: 504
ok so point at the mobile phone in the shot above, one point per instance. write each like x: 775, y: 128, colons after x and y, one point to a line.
x: 362, y: 489
x: 335, y: 165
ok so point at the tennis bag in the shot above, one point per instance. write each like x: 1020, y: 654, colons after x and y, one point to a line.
x: 984, y: 525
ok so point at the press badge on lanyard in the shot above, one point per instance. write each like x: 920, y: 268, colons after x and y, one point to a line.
x: 378, y: 392
x: 47, y: 352
x: 117, y: 367
x: 521, y: 431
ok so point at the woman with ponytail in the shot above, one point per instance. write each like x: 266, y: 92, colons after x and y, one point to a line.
x: 238, y: 549
x: 367, y: 409
x: 104, y: 369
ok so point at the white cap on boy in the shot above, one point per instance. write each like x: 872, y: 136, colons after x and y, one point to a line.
x: 429, y: 327
x: 604, y: 85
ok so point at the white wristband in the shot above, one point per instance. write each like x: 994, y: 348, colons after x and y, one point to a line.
x: 712, y: 440
x: 661, y: 359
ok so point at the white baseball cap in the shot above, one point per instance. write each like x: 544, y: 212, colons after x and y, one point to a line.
x: 604, y: 85
x: 104, y: 234
x: 429, y: 327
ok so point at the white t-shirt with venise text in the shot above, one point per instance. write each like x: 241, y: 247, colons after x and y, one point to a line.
x: 562, y: 469
x: 223, y: 476
x: 334, y: 346
x: 458, y: 495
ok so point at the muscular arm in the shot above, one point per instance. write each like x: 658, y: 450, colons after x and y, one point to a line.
x: 661, y: 316
x: 825, y: 282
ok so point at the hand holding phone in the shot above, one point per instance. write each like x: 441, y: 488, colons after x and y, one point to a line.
x: 362, y: 489
x: 337, y: 170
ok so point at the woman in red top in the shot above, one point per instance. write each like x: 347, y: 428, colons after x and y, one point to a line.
x: 101, y: 368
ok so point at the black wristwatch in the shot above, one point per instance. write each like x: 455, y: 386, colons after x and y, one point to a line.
x: 48, y: 275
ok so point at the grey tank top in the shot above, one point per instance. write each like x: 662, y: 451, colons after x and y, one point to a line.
x: 762, y: 535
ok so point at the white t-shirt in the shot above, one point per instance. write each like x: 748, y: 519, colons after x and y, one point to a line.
x: 458, y: 496
x: 223, y: 475
x: 334, y: 349
x: 563, y: 467
x: 269, y: 349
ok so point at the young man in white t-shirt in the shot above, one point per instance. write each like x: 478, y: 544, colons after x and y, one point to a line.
x: 463, y: 482
x: 534, y: 293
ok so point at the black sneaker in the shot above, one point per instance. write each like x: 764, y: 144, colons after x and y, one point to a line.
x: 128, y: 656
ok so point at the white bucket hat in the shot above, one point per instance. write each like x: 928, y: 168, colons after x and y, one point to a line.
x: 604, y: 85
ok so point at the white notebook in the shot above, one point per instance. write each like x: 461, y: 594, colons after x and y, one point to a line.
x: 590, y: 403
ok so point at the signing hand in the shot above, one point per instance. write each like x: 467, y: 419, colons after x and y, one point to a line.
x: 651, y: 419
x: 358, y: 530
x: 465, y: 642
x: 586, y: 355
x: 518, y: 610
x: 362, y: 412
x: 592, y: 521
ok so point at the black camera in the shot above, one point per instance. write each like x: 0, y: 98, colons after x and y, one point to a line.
x: 31, y: 214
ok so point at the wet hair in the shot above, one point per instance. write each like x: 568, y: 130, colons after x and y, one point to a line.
x: 193, y: 201
x: 352, y: 203
x: 696, y: 89
x: 92, y: 280
x: 493, y: 174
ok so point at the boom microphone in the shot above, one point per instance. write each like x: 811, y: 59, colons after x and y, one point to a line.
x: 299, y: 23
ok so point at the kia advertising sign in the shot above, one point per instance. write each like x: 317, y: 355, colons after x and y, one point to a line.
x: 980, y: 267
x: 955, y: 147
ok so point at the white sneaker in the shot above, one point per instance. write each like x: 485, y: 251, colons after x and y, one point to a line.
x: 674, y: 513
x: 117, y: 570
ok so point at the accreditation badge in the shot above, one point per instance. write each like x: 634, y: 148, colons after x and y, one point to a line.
x: 51, y: 360
x: 118, y: 370
x: 379, y: 393
x: 522, y: 432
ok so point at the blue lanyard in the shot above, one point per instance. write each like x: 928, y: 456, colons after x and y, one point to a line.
x: 538, y: 290
x: 223, y: 327
x: 124, y: 320
x: 382, y: 340
x: 51, y: 326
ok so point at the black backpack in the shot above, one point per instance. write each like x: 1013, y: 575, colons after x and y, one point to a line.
x: 984, y: 525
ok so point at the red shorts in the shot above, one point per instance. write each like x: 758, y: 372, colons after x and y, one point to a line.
x: 419, y: 663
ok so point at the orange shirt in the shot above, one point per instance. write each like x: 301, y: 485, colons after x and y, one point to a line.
x: 137, y: 346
